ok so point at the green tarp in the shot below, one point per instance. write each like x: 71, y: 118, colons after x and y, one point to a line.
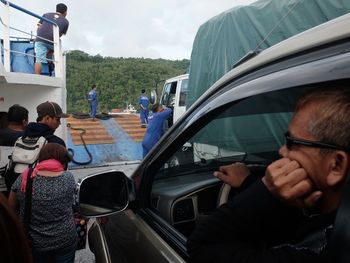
x: 227, y: 37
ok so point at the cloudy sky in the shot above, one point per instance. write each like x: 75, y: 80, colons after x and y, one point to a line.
x: 129, y: 28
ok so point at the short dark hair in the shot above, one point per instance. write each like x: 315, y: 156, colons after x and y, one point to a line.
x: 3, y: 119
x: 330, y: 121
x: 155, y: 107
x: 93, y: 86
x: 143, y: 91
x: 54, y: 151
x: 61, y: 8
x: 17, y: 114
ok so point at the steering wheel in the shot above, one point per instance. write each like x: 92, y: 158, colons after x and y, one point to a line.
x: 223, y: 195
x: 225, y: 190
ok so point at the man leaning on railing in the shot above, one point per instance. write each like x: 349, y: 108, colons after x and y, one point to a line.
x: 44, y: 40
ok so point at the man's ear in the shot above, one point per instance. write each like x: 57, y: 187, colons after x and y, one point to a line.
x: 45, y: 119
x: 339, y: 168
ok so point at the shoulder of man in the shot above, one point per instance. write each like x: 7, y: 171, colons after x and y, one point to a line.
x: 49, y: 15
x: 54, y: 139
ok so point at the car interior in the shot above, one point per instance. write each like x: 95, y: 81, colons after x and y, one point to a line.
x: 184, y: 189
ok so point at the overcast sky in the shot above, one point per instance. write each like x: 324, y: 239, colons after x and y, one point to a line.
x: 129, y: 28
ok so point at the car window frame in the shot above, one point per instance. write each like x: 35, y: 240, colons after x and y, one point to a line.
x: 288, y: 73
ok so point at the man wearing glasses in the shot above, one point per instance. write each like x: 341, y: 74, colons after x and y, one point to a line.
x: 288, y: 215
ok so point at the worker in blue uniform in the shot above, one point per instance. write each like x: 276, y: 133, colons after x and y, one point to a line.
x: 92, y: 98
x: 143, y: 102
x: 155, y: 128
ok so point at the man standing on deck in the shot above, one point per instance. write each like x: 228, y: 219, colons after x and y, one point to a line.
x: 92, y: 98
x: 143, y: 102
x: 44, y: 40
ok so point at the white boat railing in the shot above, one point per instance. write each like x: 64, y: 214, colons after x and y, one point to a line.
x: 7, y: 38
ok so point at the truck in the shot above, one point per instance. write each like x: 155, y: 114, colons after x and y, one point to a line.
x: 237, y: 34
x: 228, y: 40
x: 174, y: 94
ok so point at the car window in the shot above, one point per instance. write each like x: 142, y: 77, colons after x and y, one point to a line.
x: 183, y: 92
x: 249, y: 131
x: 168, y: 96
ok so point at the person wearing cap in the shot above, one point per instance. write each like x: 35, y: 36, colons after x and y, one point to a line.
x: 48, y: 120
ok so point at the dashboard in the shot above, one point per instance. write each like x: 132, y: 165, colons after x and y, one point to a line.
x: 182, y: 200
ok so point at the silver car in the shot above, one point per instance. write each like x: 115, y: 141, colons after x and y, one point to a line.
x: 147, y: 217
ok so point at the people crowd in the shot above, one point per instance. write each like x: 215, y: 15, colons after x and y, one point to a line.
x: 47, y: 232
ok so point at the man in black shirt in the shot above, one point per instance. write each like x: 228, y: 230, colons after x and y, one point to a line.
x: 288, y: 214
x: 17, y: 119
x: 49, y: 118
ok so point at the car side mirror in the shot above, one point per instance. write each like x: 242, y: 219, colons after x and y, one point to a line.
x: 153, y: 98
x: 103, y: 194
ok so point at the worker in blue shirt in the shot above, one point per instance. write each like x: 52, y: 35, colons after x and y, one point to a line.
x: 92, y: 98
x: 143, y: 102
x: 155, y: 128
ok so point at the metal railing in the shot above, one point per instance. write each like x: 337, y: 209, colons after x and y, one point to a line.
x: 5, y: 21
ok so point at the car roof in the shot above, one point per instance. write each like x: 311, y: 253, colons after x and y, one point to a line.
x: 328, y: 32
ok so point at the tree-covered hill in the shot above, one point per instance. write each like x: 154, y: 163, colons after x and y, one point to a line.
x: 119, y: 80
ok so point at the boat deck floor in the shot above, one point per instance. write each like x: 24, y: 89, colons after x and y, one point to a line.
x: 116, y: 139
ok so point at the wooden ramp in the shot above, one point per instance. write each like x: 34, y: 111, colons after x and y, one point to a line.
x: 96, y: 133
x: 130, y: 123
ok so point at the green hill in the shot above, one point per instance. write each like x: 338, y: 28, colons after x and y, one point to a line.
x: 119, y: 80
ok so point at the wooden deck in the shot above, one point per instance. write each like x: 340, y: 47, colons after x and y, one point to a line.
x: 130, y: 123
x: 96, y: 133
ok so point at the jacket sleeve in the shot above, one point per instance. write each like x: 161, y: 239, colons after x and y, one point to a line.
x: 248, y: 229
x: 165, y: 114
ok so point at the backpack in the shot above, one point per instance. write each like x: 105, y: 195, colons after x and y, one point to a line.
x: 25, y: 154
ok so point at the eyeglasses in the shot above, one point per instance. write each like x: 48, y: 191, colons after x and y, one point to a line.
x: 290, y: 141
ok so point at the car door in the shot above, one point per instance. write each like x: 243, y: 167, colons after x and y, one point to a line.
x: 242, y: 120
x: 180, y: 98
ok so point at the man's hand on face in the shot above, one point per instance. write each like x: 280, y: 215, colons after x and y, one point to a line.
x: 233, y: 174
x: 289, y: 182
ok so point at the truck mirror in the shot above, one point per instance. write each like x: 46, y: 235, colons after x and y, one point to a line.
x: 103, y: 194
x: 153, y: 98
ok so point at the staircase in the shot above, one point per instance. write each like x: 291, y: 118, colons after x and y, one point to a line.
x: 96, y: 133
x: 130, y: 123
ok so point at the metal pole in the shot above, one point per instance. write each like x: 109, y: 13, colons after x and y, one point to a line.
x: 57, y: 52
x: 7, y: 60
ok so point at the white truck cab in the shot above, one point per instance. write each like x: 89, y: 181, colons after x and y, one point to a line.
x: 174, y: 95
